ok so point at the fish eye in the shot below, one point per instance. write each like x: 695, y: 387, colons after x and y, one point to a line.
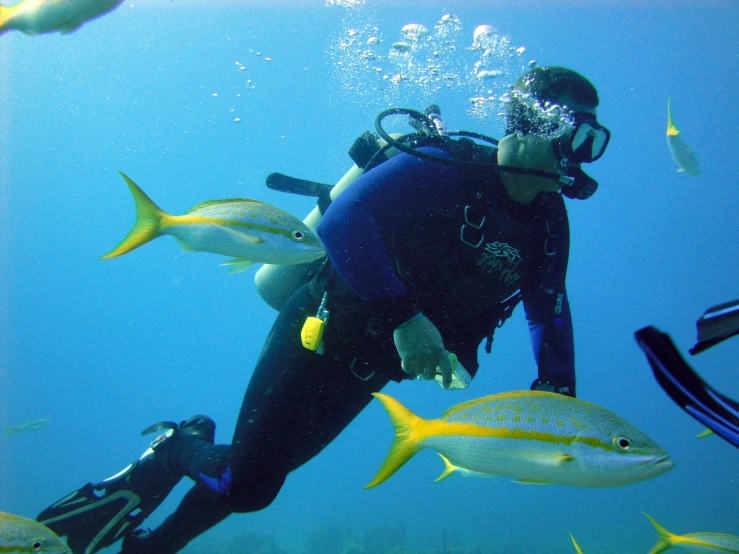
x: 37, y: 545
x: 298, y: 235
x: 622, y: 443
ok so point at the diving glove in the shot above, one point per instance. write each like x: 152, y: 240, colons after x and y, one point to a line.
x: 422, y: 351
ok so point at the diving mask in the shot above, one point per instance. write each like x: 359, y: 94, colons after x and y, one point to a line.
x: 586, y: 142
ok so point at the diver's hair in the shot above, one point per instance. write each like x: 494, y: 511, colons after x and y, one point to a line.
x: 548, y: 84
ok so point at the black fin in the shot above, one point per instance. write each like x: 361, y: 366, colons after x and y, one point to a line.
x: 686, y: 388
x: 716, y: 325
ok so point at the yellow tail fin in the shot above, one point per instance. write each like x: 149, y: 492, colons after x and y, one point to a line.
x: 148, y: 224
x: 408, y: 432
x: 577, y: 546
x: 5, y: 16
x: 664, y: 537
x: 672, y: 131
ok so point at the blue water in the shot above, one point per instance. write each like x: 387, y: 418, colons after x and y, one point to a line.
x: 104, y: 349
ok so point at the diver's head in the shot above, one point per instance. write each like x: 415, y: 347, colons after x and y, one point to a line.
x: 560, y: 105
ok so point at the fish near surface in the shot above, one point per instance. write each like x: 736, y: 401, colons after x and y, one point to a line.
x: 20, y: 535
x: 703, y: 543
x: 34, y: 17
x: 533, y: 436
x: 247, y: 230
x: 681, y: 153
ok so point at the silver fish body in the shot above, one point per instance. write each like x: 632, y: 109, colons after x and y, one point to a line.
x: 531, y: 436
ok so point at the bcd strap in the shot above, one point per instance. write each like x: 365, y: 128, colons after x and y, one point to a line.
x: 502, y: 313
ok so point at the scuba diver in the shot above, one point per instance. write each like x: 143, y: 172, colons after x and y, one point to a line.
x: 713, y: 409
x: 429, y: 250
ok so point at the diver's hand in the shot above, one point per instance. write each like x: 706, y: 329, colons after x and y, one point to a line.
x: 422, y: 351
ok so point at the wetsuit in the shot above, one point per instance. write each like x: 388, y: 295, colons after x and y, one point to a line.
x: 408, y: 236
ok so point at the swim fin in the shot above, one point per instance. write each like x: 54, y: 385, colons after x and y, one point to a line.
x: 716, y: 325
x: 99, y: 514
x: 686, y: 388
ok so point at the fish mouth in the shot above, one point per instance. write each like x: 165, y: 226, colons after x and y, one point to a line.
x: 316, y: 254
x: 663, y: 463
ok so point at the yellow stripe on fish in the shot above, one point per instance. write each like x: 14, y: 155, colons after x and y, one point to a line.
x: 20, y: 535
x: 693, y: 542
x: 246, y: 230
x: 532, y: 436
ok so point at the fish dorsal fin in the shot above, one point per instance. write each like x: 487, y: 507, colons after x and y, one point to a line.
x: 464, y: 405
x: 470, y: 403
x: 672, y: 131
x: 208, y: 203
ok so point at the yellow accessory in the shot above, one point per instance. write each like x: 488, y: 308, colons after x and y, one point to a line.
x: 312, y: 332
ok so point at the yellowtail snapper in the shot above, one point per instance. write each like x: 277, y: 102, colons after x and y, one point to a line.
x: 19, y: 534
x: 693, y: 542
x: 29, y: 426
x: 533, y: 436
x: 33, y: 17
x: 681, y: 153
x: 247, y: 230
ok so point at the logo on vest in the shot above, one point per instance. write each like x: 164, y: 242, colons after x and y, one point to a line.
x: 502, y: 259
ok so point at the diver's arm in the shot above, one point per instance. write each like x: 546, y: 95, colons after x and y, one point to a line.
x: 553, y: 344
x: 548, y: 312
x: 357, y: 224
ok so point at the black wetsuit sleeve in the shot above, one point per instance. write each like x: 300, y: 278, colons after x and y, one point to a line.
x: 358, y: 225
x: 548, y: 310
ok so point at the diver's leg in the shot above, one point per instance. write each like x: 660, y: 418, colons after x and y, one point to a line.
x: 99, y: 514
x: 298, y: 401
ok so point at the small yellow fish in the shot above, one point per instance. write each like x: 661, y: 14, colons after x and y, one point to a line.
x: 249, y: 231
x: 533, y: 436
x: 681, y: 153
x: 705, y: 433
x: 694, y: 542
x: 577, y: 546
x: 35, y: 425
x: 34, y: 17
x: 20, y: 534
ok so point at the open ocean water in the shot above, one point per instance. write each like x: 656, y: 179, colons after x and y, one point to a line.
x: 155, y: 88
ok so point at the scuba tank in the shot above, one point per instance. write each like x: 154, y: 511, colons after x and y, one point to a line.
x: 276, y: 283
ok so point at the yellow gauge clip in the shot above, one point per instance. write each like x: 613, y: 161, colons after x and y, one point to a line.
x: 312, y: 332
